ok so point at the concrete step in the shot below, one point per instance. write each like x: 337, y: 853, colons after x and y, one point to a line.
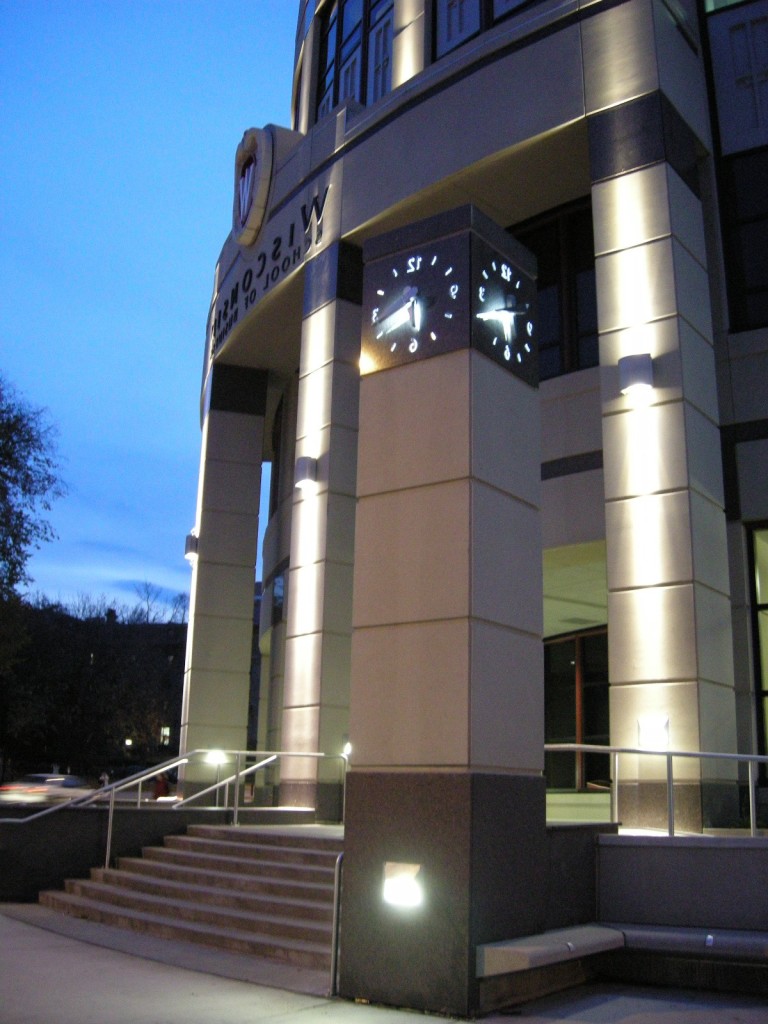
x: 194, y: 875
x: 318, y: 909
x: 222, y: 886
x: 190, y: 908
x: 298, y: 952
x: 180, y: 854
x: 302, y: 837
x: 252, y: 850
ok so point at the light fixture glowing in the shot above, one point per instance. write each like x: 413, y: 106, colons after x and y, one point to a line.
x: 216, y: 757
x: 401, y: 885
x: 190, y: 547
x: 653, y: 731
x: 635, y: 374
x: 305, y: 473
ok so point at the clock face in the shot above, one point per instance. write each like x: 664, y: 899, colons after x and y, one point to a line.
x: 503, y: 313
x: 416, y: 305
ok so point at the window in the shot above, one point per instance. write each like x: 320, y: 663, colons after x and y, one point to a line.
x: 744, y: 212
x: 459, y: 20
x: 739, y: 45
x: 563, y: 245
x: 760, y: 632
x: 355, y: 53
x: 576, y: 709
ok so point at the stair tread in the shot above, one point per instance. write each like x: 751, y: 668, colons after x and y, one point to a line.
x: 169, y: 902
x: 87, y: 903
x: 184, y: 889
x: 228, y: 876
x: 165, y: 852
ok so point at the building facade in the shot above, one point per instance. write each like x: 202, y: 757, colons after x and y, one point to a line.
x: 624, y: 144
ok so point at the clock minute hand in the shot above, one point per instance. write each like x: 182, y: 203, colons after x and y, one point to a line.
x: 404, y: 309
x: 506, y: 317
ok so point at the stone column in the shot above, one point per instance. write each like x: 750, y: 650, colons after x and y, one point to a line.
x: 319, y: 588
x: 220, y: 633
x: 669, y: 615
x: 447, y: 676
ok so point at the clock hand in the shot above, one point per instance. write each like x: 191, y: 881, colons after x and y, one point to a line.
x: 506, y: 317
x: 405, y: 309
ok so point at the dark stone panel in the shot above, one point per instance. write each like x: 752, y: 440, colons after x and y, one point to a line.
x: 336, y: 273
x: 637, y: 134
x: 570, y: 897
x: 570, y: 464
x: 481, y: 843
x: 41, y: 854
x: 416, y: 957
x: 239, y: 389
x: 644, y: 805
x: 509, y: 857
x: 695, y: 882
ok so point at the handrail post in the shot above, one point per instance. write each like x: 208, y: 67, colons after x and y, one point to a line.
x: 752, y: 767
x: 236, y: 801
x: 335, y: 927
x: 615, y: 790
x: 670, y: 797
x: 110, y: 819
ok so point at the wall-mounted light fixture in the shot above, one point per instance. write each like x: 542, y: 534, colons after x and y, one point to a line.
x: 635, y: 374
x: 653, y: 731
x: 305, y: 472
x: 190, y: 547
x: 402, y: 887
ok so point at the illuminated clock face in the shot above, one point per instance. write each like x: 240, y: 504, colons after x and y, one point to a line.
x: 503, y: 313
x: 416, y: 305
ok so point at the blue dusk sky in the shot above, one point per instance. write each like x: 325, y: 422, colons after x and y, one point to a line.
x: 119, y: 121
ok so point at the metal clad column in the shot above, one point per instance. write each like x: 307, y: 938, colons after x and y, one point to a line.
x: 219, y: 640
x: 319, y: 589
x: 671, y: 661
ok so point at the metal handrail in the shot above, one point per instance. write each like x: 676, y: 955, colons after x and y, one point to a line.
x: 752, y: 761
x: 110, y: 791
x: 333, y: 987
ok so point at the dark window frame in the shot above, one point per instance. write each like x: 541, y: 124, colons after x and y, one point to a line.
x: 341, y: 43
x: 760, y: 684
x: 489, y: 15
x: 566, y: 262
x: 584, y: 771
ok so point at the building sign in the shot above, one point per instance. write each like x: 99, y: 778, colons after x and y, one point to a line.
x: 253, y: 174
x: 255, y: 275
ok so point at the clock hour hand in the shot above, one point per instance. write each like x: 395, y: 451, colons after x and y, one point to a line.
x: 405, y: 309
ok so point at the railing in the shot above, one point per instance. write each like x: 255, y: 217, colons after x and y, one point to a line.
x: 207, y: 759
x: 751, y: 760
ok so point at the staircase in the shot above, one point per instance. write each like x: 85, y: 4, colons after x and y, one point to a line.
x: 263, y: 891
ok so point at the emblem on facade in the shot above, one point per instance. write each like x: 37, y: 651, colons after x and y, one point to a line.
x: 253, y: 173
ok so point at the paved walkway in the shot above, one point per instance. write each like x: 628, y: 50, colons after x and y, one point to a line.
x: 58, y: 970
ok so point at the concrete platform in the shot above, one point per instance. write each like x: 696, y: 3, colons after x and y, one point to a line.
x: 59, y: 970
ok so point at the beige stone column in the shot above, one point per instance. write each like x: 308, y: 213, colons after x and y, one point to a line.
x: 220, y: 633
x: 447, y: 698
x: 319, y: 586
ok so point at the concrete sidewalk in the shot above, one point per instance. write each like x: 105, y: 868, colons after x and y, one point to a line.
x: 58, y: 970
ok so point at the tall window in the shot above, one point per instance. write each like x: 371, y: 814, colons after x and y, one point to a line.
x: 738, y: 38
x: 459, y: 20
x: 576, y: 709
x: 760, y: 631
x: 355, y: 53
x: 744, y: 192
x: 563, y: 245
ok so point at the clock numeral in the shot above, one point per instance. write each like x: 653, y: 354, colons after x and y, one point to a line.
x: 454, y: 291
x: 375, y: 316
x: 414, y: 264
x: 506, y: 272
x: 481, y: 293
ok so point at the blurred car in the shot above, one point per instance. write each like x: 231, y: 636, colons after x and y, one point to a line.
x: 44, y: 789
